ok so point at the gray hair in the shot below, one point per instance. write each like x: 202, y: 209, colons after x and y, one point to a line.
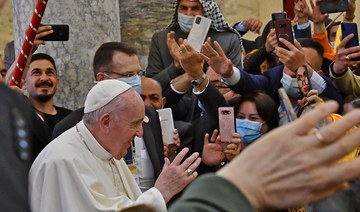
x: 115, y: 106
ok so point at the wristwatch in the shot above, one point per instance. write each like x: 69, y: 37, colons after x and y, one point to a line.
x: 197, y: 82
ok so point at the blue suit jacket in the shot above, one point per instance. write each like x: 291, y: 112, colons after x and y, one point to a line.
x: 270, y: 83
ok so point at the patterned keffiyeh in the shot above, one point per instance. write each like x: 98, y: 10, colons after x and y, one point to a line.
x: 213, y: 12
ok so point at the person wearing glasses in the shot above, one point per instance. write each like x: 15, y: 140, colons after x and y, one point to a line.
x: 145, y: 158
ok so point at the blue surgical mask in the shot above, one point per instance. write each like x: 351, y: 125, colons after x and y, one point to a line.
x: 332, y: 43
x: 133, y: 81
x: 290, y: 85
x: 249, y: 130
x: 303, y: 26
x: 185, y: 22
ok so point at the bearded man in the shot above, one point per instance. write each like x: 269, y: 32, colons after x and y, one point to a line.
x: 41, y: 84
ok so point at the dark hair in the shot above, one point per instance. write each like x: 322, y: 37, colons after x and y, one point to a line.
x: 265, y: 106
x: 328, y: 29
x: 104, y: 54
x: 310, y: 43
x: 43, y: 56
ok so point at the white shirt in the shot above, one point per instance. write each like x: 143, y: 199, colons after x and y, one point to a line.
x: 75, y: 173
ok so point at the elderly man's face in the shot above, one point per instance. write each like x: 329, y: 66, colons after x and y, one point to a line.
x: 191, y: 8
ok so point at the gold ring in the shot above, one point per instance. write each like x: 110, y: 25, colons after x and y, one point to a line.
x: 189, y: 171
x: 319, y: 136
x: 347, y: 57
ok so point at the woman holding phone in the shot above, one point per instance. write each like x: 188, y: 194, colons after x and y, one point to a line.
x: 256, y: 114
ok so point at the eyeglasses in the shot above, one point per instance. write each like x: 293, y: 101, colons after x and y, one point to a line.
x: 139, y: 73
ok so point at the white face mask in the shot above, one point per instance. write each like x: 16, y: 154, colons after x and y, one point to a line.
x: 185, y: 22
x: 290, y: 85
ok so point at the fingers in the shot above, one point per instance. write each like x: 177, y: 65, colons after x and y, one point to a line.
x: 219, y: 50
x: 206, y: 139
x: 179, y: 157
x: 340, y: 144
x: 288, y: 44
x: 337, y: 129
x: 311, y: 119
x: 176, y: 137
x: 344, y: 41
x: 190, y: 160
x: 214, y: 136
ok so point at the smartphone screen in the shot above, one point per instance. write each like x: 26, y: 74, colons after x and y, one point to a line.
x: 278, y: 16
x: 283, y: 29
x: 347, y: 29
x: 61, y: 33
x: 226, y: 123
x: 198, y: 32
x: 167, y: 124
x: 334, y: 6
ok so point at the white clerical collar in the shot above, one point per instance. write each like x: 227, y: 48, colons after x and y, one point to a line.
x: 91, y: 143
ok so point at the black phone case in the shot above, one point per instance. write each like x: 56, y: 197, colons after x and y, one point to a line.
x: 61, y: 33
x: 347, y: 29
x: 334, y: 6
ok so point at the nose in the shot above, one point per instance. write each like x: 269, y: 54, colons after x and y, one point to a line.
x: 43, y: 77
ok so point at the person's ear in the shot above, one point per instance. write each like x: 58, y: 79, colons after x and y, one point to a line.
x: 163, y: 102
x: 104, y: 123
x: 100, y: 76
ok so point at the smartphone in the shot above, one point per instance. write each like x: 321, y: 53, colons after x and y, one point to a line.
x: 167, y: 124
x: 303, y: 80
x: 347, y: 29
x: 283, y: 29
x: 279, y: 16
x: 334, y: 6
x: 226, y: 123
x: 61, y: 33
x: 198, y: 32
x: 286, y: 105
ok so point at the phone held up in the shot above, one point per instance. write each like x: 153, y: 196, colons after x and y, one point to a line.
x: 167, y: 124
x: 226, y: 123
x: 61, y: 33
x: 278, y: 16
x: 198, y: 32
x: 283, y: 29
x: 334, y: 6
x: 347, y: 29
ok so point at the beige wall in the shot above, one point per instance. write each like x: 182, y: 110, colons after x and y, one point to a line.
x: 6, y: 25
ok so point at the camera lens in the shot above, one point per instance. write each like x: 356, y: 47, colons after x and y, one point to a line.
x: 198, y: 20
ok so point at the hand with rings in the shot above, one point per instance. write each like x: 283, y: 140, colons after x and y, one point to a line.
x: 176, y: 175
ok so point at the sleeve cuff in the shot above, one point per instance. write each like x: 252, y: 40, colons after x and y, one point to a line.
x: 235, y: 77
x: 176, y: 91
x: 200, y: 92
x: 317, y: 82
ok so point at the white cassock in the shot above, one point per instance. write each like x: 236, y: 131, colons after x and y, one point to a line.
x: 75, y: 173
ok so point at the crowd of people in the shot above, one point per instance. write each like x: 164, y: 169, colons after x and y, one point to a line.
x: 111, y: 154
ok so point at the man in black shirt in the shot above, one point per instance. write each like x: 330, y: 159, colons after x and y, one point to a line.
x: 41, y: 84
